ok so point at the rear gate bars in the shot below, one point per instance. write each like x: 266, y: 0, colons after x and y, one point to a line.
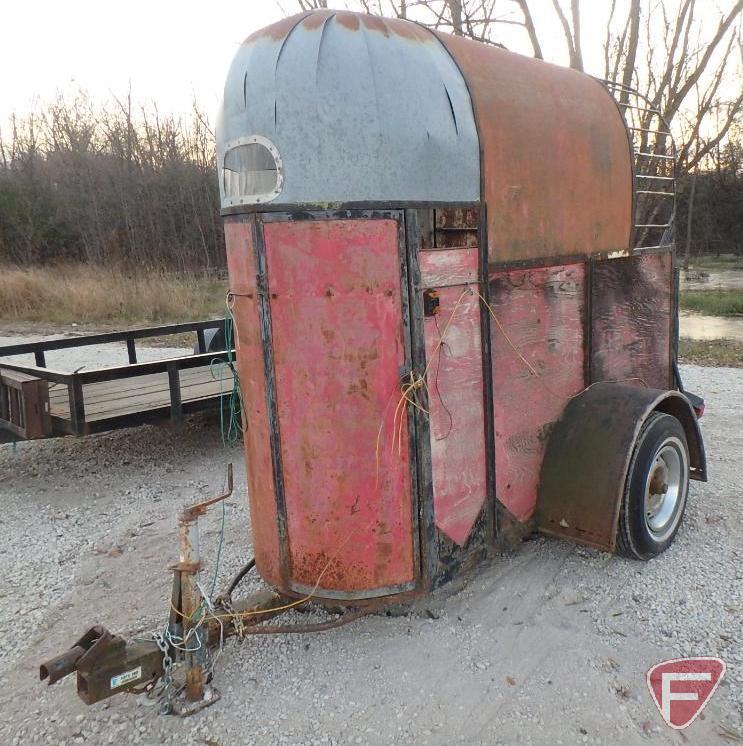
x: 651, y: 203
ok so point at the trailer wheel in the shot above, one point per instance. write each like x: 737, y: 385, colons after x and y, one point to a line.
x: 655, y: 490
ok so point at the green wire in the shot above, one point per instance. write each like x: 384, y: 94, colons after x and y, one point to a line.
x: 231, y: 429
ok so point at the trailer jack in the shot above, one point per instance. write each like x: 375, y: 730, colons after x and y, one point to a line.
x: 174, y: 668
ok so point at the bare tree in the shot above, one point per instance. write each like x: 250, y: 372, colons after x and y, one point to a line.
x: 684, y: 72
x: 111, y: 184
x: 662, y: 48
x: 572, y: 35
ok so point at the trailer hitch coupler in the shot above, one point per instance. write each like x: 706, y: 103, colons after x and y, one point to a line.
x: 57, y: 668
x: 66, y: 663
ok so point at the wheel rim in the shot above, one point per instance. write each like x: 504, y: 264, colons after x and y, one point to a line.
x: 665, y: 489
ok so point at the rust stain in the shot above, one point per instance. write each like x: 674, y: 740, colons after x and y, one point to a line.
x: 409, y: 30
x: 375, y: 23
x: 316, y: 19
x: 540, y: 124
x: 276, y: 31
x: 348, y: 20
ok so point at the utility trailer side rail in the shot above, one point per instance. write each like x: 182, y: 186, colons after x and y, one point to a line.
x: 93, y: 400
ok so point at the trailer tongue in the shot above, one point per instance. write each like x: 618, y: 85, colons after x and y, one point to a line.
x: 174, y: 669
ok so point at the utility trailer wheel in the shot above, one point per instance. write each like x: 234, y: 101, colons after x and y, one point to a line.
x: 656, y: 489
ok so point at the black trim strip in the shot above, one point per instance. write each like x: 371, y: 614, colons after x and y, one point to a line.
x: 588, y: 324
x: 561, y: 260
x: 424, y: 471
x: 264, y: 313
x: 298, y: 211
x: 492, y: 527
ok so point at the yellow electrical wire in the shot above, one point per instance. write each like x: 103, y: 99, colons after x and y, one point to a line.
x: 408, y: 391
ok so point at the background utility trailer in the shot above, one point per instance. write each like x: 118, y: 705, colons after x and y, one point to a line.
x: 41, y: 402
x: 450, y: 329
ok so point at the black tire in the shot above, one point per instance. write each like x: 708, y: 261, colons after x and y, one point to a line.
x: 656, y: 489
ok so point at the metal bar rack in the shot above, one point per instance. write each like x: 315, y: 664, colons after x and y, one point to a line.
x: 37, y: 401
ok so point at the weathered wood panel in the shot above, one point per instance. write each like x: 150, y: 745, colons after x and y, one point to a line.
x: 24, y: 404
x: 631, y: 302
x: 455, y: 403
x: 542, y: 311
x: 141, y: 393
x: 448, y: 267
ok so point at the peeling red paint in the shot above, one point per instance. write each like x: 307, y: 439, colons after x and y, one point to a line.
x: 455, y: 400
x: 454, y: 267
x: 338, y: 347
x: 261, y: 494
x: 542, y: 312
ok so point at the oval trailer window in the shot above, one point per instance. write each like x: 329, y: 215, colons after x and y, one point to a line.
x: 252, y: 172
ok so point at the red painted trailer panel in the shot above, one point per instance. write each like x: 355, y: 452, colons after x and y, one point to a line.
x: 455, y: 391
x: 336, y: 315
x: 542, y: 312
x: 249, y: 353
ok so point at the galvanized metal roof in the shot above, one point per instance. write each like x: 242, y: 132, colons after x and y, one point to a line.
x: 358, y: 108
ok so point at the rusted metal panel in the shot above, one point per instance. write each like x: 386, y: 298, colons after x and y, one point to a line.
x: 584, y: 469
x: 359, y: 108
x: 455, y: 403
x: 336, y: 312
x: 631, y: 309
x: 456, y: 226
x: 556, y: 167
x: 249, y: 356
x: 24, y: 405
x: 541, y: 312
x: 447, y: 268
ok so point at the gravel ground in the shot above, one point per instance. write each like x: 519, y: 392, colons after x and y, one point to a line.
x: 546, y: 644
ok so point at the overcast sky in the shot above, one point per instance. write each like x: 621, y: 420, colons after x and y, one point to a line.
x: 170, y: 51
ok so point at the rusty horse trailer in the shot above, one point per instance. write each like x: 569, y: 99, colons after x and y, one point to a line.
x: 455, y: 300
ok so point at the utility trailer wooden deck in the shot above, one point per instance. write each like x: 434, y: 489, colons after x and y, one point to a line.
x: 40, y: 402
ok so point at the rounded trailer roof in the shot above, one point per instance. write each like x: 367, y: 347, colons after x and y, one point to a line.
x: 337, y: 107
x: 358, y: 108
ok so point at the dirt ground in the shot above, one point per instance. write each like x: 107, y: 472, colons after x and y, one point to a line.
x: 547, y: 644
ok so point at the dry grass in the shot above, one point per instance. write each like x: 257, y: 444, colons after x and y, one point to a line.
x: 85, y: 294
x: 712, y: 352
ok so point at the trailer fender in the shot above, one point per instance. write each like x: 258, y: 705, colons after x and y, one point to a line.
x: 588, y: 454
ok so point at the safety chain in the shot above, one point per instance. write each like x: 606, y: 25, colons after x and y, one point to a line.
x: 225, y: 602
x: 166, y: 694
